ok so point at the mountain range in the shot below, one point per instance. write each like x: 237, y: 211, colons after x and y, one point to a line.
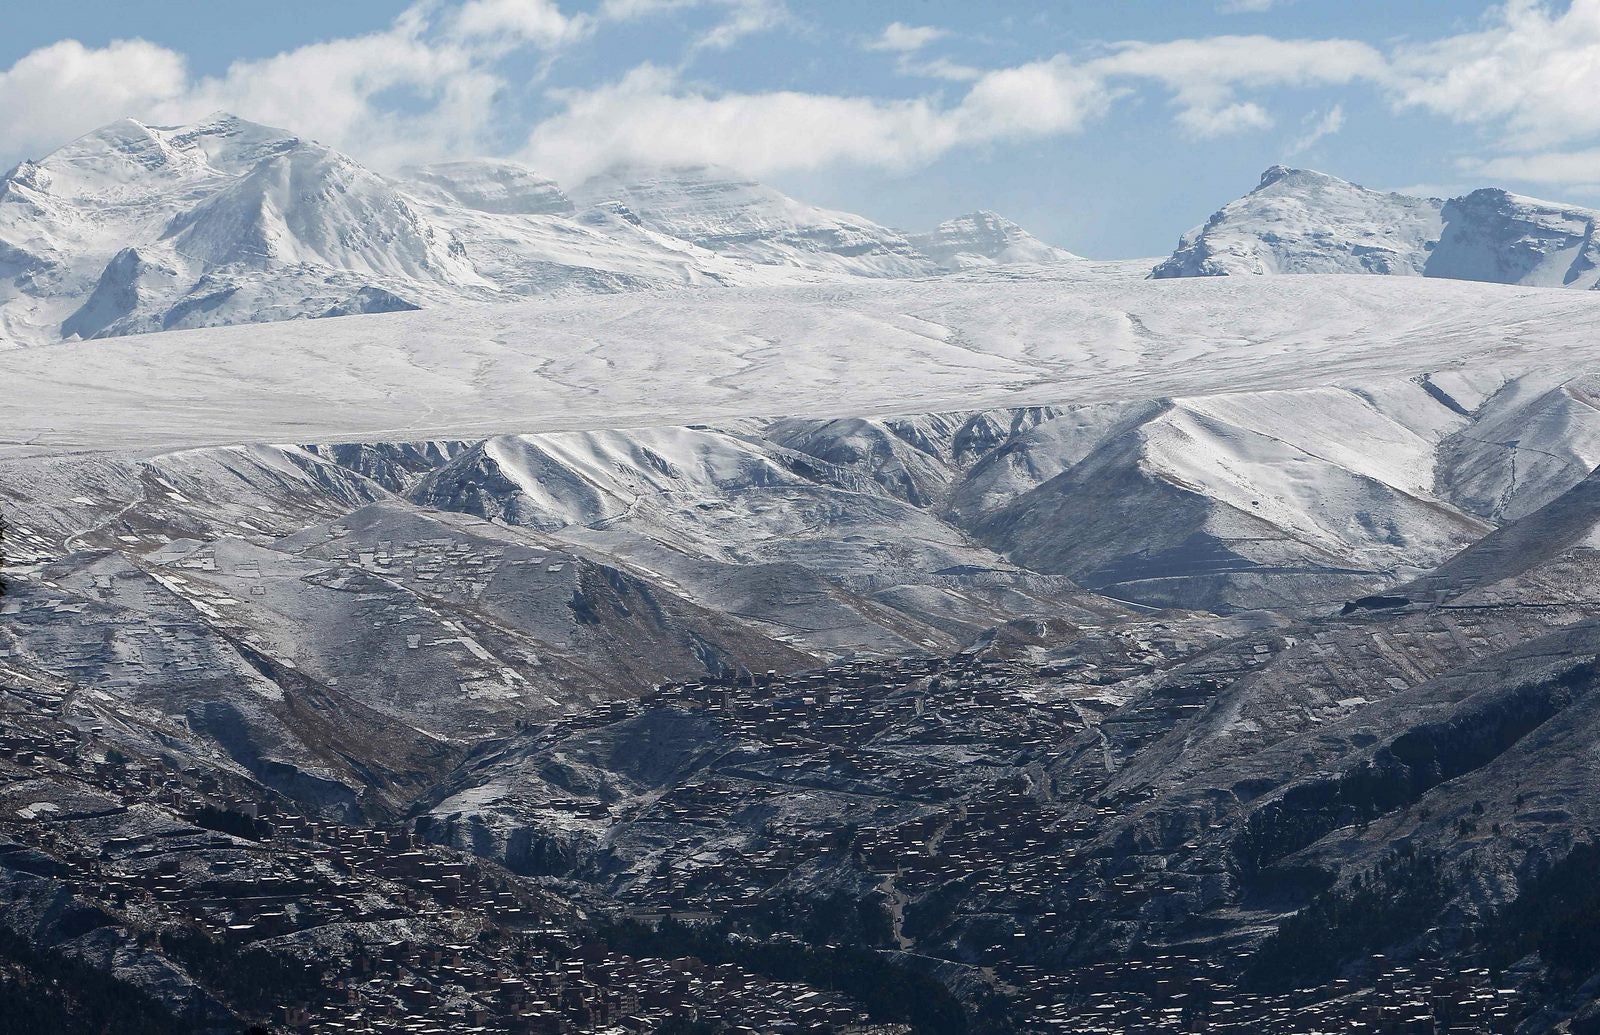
x: 136, y: 228
x: 906, y: 632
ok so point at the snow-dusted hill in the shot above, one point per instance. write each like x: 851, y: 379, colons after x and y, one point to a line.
x: 1298, y: 221
x: 136, y: 228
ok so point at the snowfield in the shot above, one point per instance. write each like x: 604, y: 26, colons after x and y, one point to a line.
x: 1073, y: 334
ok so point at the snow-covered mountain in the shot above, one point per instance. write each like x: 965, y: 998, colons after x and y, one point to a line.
x: 984, y: 239
x: 489, y: 185
x: 137, y: 228
x: 134, y: 228
x: 1299, y: 221
x: 1505, y: 238
x: 720, y: 210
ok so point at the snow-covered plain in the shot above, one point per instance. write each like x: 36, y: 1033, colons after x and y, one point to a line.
x: 1060, y: 335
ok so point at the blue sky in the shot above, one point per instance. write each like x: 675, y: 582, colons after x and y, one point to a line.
x: 1107, y: 128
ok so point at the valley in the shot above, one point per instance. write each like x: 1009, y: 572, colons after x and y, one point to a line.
x: 767, y: 620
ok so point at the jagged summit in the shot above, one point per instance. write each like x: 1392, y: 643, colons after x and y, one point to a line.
x: 310, y: 204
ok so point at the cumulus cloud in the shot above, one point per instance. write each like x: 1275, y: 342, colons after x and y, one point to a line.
x: 334, y: 92
x: 741, y: 18
x: 1217, y: 121
x: 907, y: 42
x: 1533, y: 68
x: 434, y: 83
x: 745, y: 17
x: 439, y: 61
x: 67, y: 88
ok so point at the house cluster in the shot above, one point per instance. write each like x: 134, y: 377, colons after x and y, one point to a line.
x: 1184, y: 993
x: 379, y: 930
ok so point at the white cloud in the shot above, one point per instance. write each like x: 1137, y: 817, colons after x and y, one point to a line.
x: 334, y: 92
x: 904, y: 39
x: 539, y: 22
x: 65, y: 89
x: 434, y: 83
x: 908, y: 41
x: 1224, y: 120
x: 1205, y: 75
x: 1560, y: 167
x: 745, y: 18
x: 440, y: 61
x: 650, y: 117
x: 1531, y: 68
x: 1245, y: 6
x: 1329, y: 123
x: 938, y: 68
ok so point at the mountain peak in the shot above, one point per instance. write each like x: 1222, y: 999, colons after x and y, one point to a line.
x: 984, y: 238
x: 1293, y: 177
x: 231, y: 144
x: 1304, y: 221
x: 113, y: 157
